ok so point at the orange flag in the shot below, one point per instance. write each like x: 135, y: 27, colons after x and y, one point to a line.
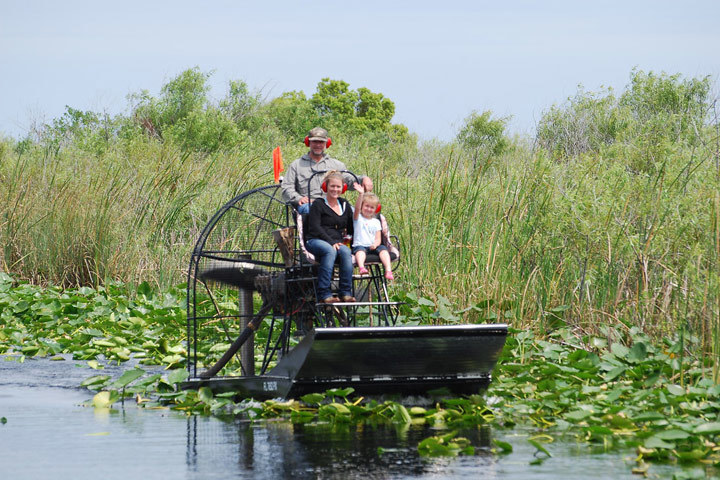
x: 277, y: 163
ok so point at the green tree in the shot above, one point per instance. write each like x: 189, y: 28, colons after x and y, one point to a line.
x: 654, y: 112
x: 667, y: 106
x: 373, y: 111
x: 483, y: 136
x: 586, y: 122
x: 242, y: 106
x: 293, y: 114
x: 181, y: 98
x: 184, y: 115
x: 357, y: 111
x: 184, y: 95
x: 89, y: 131
x: 334, y: 101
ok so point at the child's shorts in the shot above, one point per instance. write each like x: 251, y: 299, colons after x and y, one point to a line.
x: 376, y: 251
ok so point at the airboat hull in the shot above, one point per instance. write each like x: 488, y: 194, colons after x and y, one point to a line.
x: 421, y: 360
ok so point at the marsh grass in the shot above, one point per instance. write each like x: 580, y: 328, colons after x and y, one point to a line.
x: 130, y: 215
x: 533, y: 240
x: 623, y: 232
x: 587, y: 242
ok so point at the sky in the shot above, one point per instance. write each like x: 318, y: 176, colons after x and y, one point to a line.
x: 438, y: 61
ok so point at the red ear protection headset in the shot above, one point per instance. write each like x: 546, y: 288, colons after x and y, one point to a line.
x: 327, y: 144
x: 323, y: 187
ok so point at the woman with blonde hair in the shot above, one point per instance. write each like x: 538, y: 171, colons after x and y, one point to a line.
x: 329, y: 221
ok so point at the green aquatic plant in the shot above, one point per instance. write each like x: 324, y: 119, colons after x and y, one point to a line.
x: 107, y: 323
x: 616, y: 389
x: 447, y: 445
x: 636, y: 395
x: 91, y: 324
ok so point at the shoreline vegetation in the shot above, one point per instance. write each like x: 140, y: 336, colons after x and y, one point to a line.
x: 600, y: 234
x: 645, y: 402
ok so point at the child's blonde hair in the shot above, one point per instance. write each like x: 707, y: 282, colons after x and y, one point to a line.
x: 371, y: 198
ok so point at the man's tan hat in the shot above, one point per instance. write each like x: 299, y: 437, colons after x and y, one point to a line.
x: 318, y: 133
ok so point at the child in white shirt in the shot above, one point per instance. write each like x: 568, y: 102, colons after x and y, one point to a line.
x: 367, y: 232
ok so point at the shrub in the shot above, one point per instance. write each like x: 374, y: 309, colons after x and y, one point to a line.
x: 483, y: 136
x: 652, y: 111
x: 587, y: 122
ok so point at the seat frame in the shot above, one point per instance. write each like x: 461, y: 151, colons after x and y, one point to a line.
x: 371, y: 290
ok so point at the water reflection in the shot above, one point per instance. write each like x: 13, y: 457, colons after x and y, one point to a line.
x: 48, y: 434
x: 283, y: 450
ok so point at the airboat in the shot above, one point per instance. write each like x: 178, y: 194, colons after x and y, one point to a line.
x: 256, y: 327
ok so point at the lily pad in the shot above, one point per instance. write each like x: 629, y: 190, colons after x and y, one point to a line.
x: 710, y: 428
x: 672, y: 435
x: 105, y: 399
x: 177, y: 376
x: 676, y: 390
x: 313, y: 398
x: 657, y: 442
x: 128, y: 377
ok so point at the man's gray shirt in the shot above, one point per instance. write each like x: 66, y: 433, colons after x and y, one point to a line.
x: 295, y: 181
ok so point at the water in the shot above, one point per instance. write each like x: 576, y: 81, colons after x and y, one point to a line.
x: 49, y: 433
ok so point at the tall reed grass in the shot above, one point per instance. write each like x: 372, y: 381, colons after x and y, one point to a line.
x: 130, y: 215
x: 535, y: 240
x: 589, y: 242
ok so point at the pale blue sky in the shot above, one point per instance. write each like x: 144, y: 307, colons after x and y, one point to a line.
x: 437, y: 61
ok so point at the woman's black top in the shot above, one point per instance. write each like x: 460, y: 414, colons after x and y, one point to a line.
x: 325, y: 224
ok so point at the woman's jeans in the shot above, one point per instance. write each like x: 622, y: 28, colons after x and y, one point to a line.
x: 325, y: 255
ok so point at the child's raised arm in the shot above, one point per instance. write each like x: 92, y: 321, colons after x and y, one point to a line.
x: 358, y: 203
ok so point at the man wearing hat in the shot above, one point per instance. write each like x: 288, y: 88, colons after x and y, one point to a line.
x: 295, y: 182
